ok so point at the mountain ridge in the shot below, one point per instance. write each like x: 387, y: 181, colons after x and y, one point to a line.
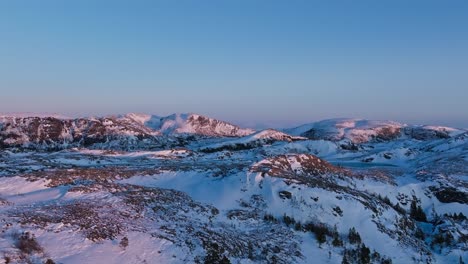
x: 58, y: 131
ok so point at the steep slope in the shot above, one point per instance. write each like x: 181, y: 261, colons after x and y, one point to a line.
x: 131, y: 130
x: 297, y: 165
x: 199, y: 125
x: 150, y: 121
x: 51, y: 132
x: 334, y: 212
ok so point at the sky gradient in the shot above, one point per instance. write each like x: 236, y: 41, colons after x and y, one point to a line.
x: 271, y: 63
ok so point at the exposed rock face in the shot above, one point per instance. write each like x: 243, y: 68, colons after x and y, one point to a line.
x: 50, y: 132
x: 200, y: 125
x: 109, y: 132
x: 297, y: 164
x: 450, y: 195
x: 425, y: 133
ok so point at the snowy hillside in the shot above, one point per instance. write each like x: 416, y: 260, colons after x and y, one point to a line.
x: 191, y: 124
x: 361, y: 131
x: 257, y: 139
x: 56, y: 133
x: 190, y: 189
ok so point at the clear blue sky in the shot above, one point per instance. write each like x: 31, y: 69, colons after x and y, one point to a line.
x: 277, y: 63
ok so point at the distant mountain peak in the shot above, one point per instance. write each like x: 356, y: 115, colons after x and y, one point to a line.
x: 362, y: 130
x: 191, y: 123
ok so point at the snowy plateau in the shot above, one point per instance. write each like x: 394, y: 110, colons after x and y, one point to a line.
x: 186, y: 188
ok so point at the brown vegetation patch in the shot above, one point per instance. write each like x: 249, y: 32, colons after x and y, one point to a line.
x: 96, y: 221
x: 27, y: 243
x: 281, y: 166
x: 84, y: 176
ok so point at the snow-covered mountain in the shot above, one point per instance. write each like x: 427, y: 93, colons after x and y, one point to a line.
x: 190, y: 189
x: 356, y: 130
x: 53, y: 132
x: 40, y: 131
x: 361, y: 131
x: 191, y: 124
